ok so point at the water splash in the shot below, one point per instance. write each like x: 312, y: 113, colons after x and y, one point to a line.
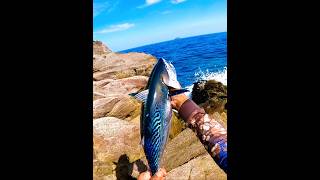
x: 220, y: 76
x: 190, y: 91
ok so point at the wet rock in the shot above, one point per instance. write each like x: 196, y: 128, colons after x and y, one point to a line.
x: 210, y: 95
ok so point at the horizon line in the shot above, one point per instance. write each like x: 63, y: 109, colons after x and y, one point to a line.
x: 170, y: 40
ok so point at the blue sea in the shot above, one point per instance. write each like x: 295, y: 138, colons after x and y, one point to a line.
x: 195, y: 58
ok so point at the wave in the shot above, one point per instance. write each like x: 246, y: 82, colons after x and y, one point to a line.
x: 190, y: 90
x: 220, y: 76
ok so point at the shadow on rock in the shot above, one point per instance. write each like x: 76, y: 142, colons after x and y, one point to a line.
x: 141, y: 166
x: 125, y: 169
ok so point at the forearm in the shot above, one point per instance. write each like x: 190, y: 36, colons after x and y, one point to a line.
x: 209, y: 131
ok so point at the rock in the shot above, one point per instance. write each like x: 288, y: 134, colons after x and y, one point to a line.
x: 136, y: 120
x: 211, y: 95
x: 138, y: 167
x: 127, y: 108
x: 113, y: 137
x: 199, y: 95
x: 97, y: 95
x: 108, y: 177
x: 181, y: 149
x: 99, y: 48
x: 200, y: 168
x: 110, y: 87
x: 98, y: 88
x: 221, y: 118
x: 177, y: 126
x: 101, y: 168
x: 100, y: 84
x: 125, y: 86
x: 117, y: 66
x: 101, y: 107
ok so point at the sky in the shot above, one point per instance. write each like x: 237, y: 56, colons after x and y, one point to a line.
x: 125, y: 24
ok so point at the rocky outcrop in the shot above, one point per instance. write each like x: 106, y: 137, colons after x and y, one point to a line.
x: 200, y: 168
x: 99, y: 48
x: 117, y: 66
x: 111, y: 97
x: 177, y: 126
x: 127, y: 108
x: 102, y: 106
x: 184, y: 147
x: 211, y: 96
x: 124, y: 86
x: 113, y: 137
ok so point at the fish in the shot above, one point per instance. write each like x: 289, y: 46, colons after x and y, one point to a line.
x: 156, y: 111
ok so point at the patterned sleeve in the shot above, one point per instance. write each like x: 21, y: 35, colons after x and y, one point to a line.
x: 212, y: 135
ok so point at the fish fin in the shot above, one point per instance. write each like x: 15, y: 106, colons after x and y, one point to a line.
x: 142, y: 141
x: 177, y: 91
x: 141, y: 96
x: 142, y: 124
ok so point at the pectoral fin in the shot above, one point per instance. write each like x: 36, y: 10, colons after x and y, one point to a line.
x: 141, y: 96
x: 142, y: 141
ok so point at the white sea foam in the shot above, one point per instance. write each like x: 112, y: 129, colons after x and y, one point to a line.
x: 190, y: 90
x: 220, y: 76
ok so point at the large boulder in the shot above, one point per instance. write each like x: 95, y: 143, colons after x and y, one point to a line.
x: 98, y: 88
x: 98, y: 95
x: 113, y: 137
x: 220, y: 117
x: 116, y: 66
x: 99, y: 48
x: 102, y: 106
x: 100, y: 84
x: 127, y: 108
x: 181, y: 149
x: 200, y: 168
x: 124, y: 86
x: 211, y: 95
x: 177, y: 126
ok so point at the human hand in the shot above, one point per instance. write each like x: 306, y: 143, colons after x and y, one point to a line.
x: 178, y: 100
x: 160, y: 175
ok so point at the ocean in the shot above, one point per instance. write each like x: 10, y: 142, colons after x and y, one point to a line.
x: 195, y: 58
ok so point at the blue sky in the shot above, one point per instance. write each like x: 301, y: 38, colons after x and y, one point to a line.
x: 124, y: 24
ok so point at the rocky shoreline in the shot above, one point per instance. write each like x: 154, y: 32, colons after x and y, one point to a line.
x: 116, y: 121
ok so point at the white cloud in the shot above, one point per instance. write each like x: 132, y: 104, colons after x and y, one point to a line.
x: 177, y: 1
x: 99, y: 7
x: 117, y: 27
x: 149, y: 3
